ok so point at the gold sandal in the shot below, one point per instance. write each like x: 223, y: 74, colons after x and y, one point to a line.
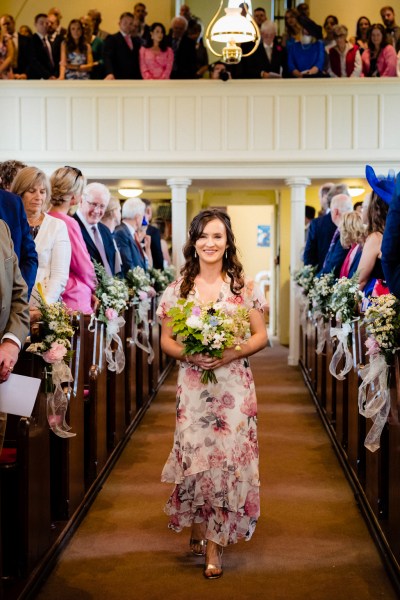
x: 211, y: 567
x: 202, y: 543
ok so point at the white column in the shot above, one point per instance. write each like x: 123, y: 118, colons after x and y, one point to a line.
x: 297, y: 204
x: 179, y: 186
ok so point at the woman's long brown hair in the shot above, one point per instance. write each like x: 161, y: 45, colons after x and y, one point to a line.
x: 231, y: 265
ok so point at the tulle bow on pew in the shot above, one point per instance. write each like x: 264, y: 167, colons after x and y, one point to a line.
x: 342, y: 349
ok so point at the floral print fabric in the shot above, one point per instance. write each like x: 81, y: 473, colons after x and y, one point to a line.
x: 214, y: 460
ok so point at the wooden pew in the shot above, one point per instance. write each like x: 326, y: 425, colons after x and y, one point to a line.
x: 133, y: 385
x: 116, y: 421
x: 330, y: 392
x: 95, y: 405
x: 67, y: 454
x: 25, y: 482
x: 356, y: 430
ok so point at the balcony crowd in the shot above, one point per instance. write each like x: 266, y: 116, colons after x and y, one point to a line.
x: 139, y: 50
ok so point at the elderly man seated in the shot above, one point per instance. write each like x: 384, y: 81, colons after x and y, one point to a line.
x: 269, y: 60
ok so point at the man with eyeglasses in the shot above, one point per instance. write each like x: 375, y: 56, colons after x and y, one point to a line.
x: 98, y: 238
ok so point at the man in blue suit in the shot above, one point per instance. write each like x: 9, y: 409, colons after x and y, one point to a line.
x: 13, y: 213
x: 98, y: 238
x: 321, y: 232
x: 391, y: 243
x: 336, y: 254
x: 126, y: 237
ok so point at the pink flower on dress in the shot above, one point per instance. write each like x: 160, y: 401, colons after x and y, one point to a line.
x: 249, y: 406
x: 372, y: 345
x: 216, y: 458
x: 252, y: 504
x: 192, y: 378
x: 55, y: 353
x: 207, y: 487
x: 181, y: 414
x: 111, y: 314
x: 227, y: 400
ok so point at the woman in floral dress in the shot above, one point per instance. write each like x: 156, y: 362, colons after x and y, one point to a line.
x: 214, y: 460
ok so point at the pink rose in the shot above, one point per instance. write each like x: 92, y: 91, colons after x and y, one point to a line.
x: 249, y: 406
x: 227, y: 400
x: 111, y: 314
x: 142, y: 295
x: 372, y: 345
x: 55, y: 353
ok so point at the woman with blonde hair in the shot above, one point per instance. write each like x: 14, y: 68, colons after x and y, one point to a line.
x: 112, y: 215
x: 352, y: 236
x: 67, y: 184
x: 51, y: 236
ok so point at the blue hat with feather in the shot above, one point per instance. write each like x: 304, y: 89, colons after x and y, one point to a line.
x: 382, y: 186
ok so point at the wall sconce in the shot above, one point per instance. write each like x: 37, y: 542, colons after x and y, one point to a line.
x: 232, y: 29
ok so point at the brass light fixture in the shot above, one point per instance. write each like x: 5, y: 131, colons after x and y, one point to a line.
x: 232, y: 29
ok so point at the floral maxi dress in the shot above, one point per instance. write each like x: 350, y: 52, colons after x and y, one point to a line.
x: 214, y: 460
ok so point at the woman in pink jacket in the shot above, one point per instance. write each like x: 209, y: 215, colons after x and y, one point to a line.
x: 157, y: 58
x: 380, y: 60
x: 67, y: 184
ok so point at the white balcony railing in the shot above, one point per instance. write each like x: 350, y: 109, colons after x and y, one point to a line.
x: 235, y: 129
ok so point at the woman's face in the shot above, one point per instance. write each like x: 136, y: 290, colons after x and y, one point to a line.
x: 363, y: 25
x: 34, y: 198
x: 76, y: 31
x: 341, y: 42
x: 212, y: 243
x: 290, y: 19
x: 329, y: 24
x: 376, y: 37
x: 157, y: 34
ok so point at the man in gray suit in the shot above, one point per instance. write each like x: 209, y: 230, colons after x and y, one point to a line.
x: 14, y: 314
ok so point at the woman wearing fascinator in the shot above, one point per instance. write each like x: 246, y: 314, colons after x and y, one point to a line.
x: 371, y: 275
x: 391, y: 243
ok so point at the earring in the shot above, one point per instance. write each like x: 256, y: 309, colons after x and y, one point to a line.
x: 195, y: 254
x: 226, y: 254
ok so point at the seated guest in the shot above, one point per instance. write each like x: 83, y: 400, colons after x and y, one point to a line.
x: 7, y: 52
x: 292, y: 28
x: 380, y: 60
x: 344, y: 58
x: 76, y: 53
x: 352, y: 237
x: 127, y: 235
x: 269, y: 60
x: 43, y: 58
x: 340, y: 205
x: 156, y: 59
x: 50, y: 235
x: 13, y: 213
x: 98, y: 238
x: 67, y: 184
x: 97, y: 46
x: 121, y: 51
x: 8, y: 171
x: 391, y: 243
x: 184, y: 66
x: 155, y: 237
x: 307, y: 57
x: 361, y: 37
x: 372, y: 279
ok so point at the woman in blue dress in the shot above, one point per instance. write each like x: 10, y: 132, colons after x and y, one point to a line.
x: 76, y: 54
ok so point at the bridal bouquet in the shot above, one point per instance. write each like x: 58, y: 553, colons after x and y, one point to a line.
x: 382, y: 320
x: 208, y: 329
x: 55, y: 349
x: 112, y: 294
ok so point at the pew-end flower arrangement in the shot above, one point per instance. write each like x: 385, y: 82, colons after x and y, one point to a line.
x: 160, y: 279
x: 55, y: 349
x: 382, y: 321
x: 344, y: 304
x: 112, y: 294
x: 208, y: 329
x: 319, y: 297
x: 304, y: 280
x: 141, y: 291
